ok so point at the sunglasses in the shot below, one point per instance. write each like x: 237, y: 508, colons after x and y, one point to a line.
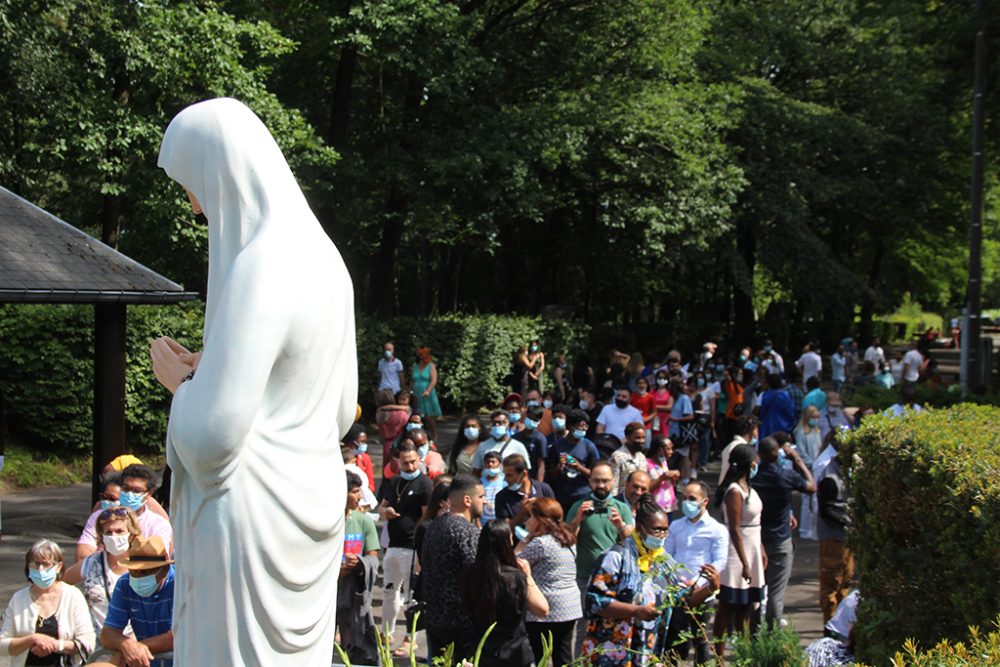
x: 120, y: 512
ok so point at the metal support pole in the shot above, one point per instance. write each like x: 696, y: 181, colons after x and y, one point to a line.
x: 109, y: 387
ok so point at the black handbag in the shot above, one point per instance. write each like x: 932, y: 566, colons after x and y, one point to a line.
x: 417, y: 604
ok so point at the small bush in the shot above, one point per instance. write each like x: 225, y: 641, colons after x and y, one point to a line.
x: 881, y: 398
x: 978, y: 650
x: 778, y: 647
x: 926, y: 510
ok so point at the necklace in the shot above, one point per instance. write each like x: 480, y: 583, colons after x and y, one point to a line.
x: 401, y: 489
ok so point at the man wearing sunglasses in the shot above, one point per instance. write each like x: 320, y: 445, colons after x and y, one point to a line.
x: 138, y: 484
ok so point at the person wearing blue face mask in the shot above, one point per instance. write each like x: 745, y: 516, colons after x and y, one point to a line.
x: 357, y: 440
x: 403, y: 500
x: 633, y: 595
x: 743, y: 576
x: 391, y: 373
x: 143, y: 598
x: 694, y: 541
x: 519, y: 492
x: 138, y: 482
x: 569, y: 461
x: 559, y: 429
x: 493, y: 483
x: 533, y: 440
x: 499, y: 441
x: 46, y: 622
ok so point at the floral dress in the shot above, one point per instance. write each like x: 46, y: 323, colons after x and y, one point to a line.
x: 666, y: 496
x: 620, y: 642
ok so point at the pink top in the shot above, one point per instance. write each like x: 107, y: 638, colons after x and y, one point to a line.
x: 150, y: 522
x: 665, y: 496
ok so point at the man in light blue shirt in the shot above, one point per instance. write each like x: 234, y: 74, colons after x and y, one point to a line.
x: 693, y: 541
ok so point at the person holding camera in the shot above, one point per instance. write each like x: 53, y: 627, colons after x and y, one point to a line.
x: 599, y: 522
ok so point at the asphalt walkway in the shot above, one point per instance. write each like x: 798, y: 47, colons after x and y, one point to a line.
x: 59, y: 513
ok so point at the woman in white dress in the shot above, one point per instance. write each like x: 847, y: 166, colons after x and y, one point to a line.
x: 743, y: 578
x: 258, y: 480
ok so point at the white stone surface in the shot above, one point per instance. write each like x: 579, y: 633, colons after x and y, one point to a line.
x: 258, y: 483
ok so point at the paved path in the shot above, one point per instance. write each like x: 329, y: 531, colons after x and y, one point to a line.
x: 59, y: 513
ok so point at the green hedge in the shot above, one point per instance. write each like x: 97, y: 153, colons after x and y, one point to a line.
x: 473, y: 353
x: 926, y: 532
x: 979, y: 649
x: 46, y: 364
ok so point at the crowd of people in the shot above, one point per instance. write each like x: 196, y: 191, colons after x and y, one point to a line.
x: 577, y: 512
x: 578, y: 509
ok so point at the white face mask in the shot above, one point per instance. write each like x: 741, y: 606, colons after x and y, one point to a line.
x: 116, y: 545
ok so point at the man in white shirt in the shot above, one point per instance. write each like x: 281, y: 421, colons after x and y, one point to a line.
x: 875, y: 353
x: 391, y: 374
x: 614, y: 418
x: 912, y: 363
x: 694, y: 541
x: 500, y: 442
x: 810, y: 363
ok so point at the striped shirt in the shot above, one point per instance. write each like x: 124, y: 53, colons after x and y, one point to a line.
x: 149, y: 616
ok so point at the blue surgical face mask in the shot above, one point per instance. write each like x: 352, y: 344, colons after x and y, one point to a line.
x: 579, y: 435
x: 653, y: 542
x: 814, y: 421
x: 410, y: 476
x: 516, y: 486
x: 690, y: 508
x: 411, y: 427
x: 584, y: 404
x: 547, y: 404
x: 514, y: 417
x: 471, y: 433
x: 492, y: 473
x: 532, y: 403
x: 521, y: 533
x: 530, y: 424
x: 388, y: 354
x: 753, y: 442
x: 143, y: 586
x: 422, y: 451
x: 700, y: 382
x: 361, y: 447
x: 43, y: 578
x: 498, y: 431
x: 753, y: 470
x: 559, y: 423
x: 132, y: 500
x: 107, y: 504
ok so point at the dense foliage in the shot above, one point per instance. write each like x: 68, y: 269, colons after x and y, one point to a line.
x: 764, y: 163
x: 926, y: 508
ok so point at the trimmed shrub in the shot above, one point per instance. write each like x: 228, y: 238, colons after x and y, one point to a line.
x: 474, y: 353
x: 926, y: 509
x: 47, y: 374
x: 978, y: 650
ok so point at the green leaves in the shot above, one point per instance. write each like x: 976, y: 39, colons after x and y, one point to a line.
x: 926, y: 504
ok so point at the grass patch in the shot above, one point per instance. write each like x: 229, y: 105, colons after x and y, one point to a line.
x: 24, y: 469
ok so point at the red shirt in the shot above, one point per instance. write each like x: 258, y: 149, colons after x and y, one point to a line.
x: 364, y: 462
x: 646, y: 404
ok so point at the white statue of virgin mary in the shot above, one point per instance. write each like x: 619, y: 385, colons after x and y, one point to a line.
x: 258, y: 494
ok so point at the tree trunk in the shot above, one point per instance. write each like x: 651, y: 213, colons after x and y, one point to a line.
x: 868, y: 304
x: 746, y: 246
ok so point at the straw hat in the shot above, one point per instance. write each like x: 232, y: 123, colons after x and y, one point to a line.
x: 146, y: 554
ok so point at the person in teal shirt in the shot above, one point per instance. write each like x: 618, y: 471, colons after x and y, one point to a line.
x: 815, y: 396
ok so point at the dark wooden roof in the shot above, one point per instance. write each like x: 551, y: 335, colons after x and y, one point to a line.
x: 45, y: 260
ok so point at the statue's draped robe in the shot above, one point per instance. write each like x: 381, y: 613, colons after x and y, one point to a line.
x: 258, y: 494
